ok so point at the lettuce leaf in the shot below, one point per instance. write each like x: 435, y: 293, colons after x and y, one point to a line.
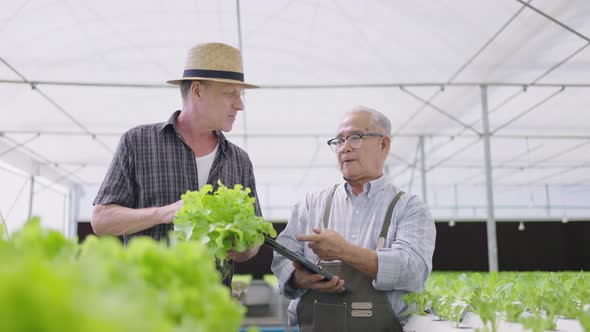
x: 222, y: 220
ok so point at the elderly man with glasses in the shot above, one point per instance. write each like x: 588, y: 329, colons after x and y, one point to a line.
x: 373, y: 237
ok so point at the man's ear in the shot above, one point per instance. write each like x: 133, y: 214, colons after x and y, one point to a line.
x: 196, y: 90
x: 386, y: 144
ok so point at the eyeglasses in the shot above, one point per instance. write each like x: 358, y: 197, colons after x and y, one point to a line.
x: 354, y: 140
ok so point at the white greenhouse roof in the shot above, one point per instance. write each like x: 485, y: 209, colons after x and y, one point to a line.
x: 74, y: 75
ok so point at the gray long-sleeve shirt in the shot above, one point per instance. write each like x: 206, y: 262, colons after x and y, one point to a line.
x: 405, y: 261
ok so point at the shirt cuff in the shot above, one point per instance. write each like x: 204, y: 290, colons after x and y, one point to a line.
x: 388, y: 270
x: 292, y: 292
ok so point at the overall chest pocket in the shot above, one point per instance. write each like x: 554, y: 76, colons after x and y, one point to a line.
x: 328, y: 317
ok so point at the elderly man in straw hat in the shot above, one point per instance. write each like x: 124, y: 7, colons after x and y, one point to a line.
x: 371, y: 236
x: 156, y: 163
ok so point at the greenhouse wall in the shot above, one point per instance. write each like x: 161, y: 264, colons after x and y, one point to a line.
x: 445, y: 201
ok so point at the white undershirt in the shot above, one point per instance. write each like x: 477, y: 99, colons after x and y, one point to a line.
x: 204, y: 164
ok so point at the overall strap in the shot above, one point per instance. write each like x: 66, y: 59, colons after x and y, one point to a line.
x: 387, y: 221
x: 329, y: 206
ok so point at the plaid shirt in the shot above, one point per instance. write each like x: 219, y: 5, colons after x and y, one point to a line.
x: 153, y: 167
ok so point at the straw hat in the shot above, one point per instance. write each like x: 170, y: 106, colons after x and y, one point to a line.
x: 214, y: 62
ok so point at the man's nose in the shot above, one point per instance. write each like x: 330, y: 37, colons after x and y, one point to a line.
x: 345, y: 147
x: 238, y: 103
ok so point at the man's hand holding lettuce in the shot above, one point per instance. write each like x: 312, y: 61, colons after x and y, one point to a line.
x: 224, y: 221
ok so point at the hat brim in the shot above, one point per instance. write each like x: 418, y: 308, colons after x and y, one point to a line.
x: 224, y: 80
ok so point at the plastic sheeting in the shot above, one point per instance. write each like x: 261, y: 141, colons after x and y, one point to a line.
x: 98, y: 69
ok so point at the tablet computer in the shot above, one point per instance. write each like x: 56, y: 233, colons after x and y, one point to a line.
x: 295, y: 257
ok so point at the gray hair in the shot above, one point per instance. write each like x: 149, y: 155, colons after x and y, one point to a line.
x: 185, y: 86
x: 376, y: 118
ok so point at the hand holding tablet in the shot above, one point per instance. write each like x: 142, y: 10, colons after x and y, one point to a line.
x: 295, y: 257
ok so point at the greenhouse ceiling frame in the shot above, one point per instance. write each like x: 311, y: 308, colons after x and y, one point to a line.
x: 35, y: 164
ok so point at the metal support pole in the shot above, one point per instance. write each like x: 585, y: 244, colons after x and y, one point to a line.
x: 547, y: 201
x: 423, y: 170
x: 491, y: 221
x: 74, y: 211
x: 66, y: 214
x: 456, y: 192
x: 31, y: 196
x: 240, y: 46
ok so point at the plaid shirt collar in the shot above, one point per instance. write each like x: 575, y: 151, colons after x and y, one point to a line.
x: 171, y: 123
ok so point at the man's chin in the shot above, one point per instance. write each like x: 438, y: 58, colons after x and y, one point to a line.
x: 348, y: 177
x: 348, y: 173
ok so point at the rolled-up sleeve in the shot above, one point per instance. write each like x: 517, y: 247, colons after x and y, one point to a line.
x: 407, y: 261
x: 282, y: 267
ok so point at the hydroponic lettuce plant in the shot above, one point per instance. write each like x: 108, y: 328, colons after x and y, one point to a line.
x: 537, y: 300
x: 585, y: 320
x: 419, y: 301
x: 223, y: 220
x: 51, y: 284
